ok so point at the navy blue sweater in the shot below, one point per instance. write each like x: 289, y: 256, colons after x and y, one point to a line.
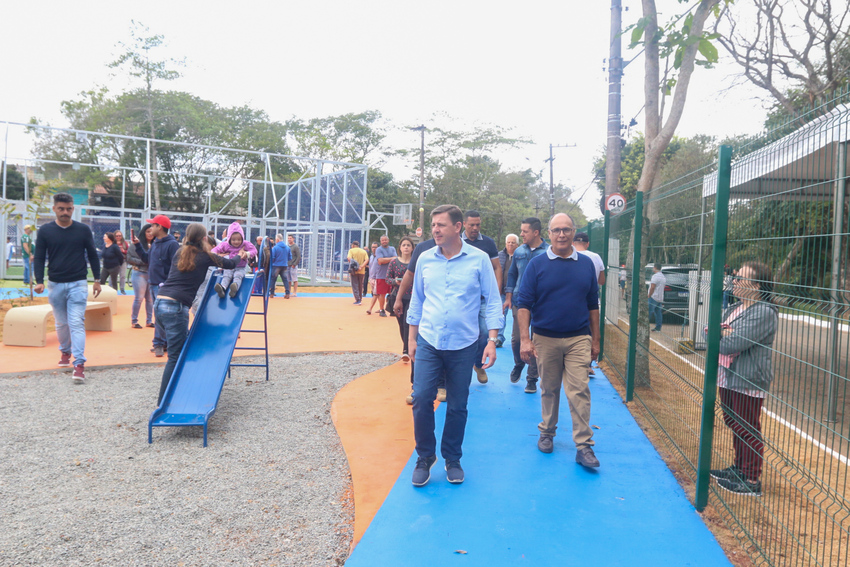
x: 159, y: 257
x: 560, y: 294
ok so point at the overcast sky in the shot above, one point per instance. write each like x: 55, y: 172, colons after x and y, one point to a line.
x: 534, y: 67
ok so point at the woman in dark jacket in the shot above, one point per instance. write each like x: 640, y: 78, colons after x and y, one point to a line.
x: 745, y: 374
x: 188, y: 270
x: 141, y: 282
x: 113, y: 259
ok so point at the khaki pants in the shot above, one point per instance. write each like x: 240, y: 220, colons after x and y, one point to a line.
x: 565, y: 360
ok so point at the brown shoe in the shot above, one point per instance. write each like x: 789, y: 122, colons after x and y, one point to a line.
x: 545, y: 443
x: 482, y: 374
x: 441, y: 394
x: 586, y: 458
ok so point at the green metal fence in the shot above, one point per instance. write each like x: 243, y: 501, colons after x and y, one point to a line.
x: 781, y: 203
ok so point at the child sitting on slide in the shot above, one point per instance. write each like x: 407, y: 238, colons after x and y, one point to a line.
x: 230, y: 248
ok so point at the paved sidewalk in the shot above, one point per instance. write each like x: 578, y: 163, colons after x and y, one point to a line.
x: 519, y: 506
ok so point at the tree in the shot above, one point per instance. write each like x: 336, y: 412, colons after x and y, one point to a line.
x: 780, y: 43
x: 137, y: 60
x: 187, y: 120
x: 682, y: 44
x: 353, y: 137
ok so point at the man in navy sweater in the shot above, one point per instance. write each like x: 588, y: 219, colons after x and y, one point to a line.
x: 158, y: 258
x: 559, y: 298
x: 66, y: 243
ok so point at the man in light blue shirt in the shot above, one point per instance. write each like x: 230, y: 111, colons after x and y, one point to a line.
x: 448, y: 285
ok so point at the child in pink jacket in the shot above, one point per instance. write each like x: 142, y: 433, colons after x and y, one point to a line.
x: 230, y: 248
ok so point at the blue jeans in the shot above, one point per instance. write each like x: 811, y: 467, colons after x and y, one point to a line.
x: 501, y: 335
x: 655, y: 307
x: 483, y: 333
x: 430, y: 365
x: 278, y: 271
x: 68, y: 301
x: 172, y: 318
x: 158, y: 334
x: 142, y: 290
x: 27, y: 270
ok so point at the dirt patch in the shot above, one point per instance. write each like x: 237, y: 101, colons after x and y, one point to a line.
x: 801, y: 518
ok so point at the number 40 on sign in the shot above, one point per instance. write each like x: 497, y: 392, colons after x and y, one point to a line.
x: 615, y: 203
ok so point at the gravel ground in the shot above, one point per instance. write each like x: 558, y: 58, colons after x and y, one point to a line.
x: 80, y: 485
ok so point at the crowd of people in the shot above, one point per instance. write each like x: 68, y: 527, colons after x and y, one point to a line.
x: 168, y: 276
x: 450, y: 295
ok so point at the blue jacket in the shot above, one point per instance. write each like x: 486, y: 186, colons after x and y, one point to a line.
x: 159, y: 257
x: 522, y: 256
x: 281, y: 255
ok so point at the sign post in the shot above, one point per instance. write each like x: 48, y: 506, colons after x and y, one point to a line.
x: 615, y: 203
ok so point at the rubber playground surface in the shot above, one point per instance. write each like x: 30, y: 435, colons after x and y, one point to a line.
x: 517, y: 505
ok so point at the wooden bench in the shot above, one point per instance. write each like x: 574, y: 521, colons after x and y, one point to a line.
x: 27, y: 326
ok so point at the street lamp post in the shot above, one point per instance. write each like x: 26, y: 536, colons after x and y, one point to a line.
x: 552, y: 176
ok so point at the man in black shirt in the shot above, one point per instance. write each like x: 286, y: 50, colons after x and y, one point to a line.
x: 66, y: 243
x: 472, y: 236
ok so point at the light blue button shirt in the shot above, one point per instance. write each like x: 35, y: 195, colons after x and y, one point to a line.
x: 447, y: 295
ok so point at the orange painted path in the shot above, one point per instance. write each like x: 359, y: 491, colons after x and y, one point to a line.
x: 370, y: 415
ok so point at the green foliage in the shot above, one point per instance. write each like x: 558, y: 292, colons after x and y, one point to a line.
x: 136, y: 58
x: 353, y: 137
x: 14, y: 182
x: 185, y: 119
x: 673, y: 39
x: 631, y: 165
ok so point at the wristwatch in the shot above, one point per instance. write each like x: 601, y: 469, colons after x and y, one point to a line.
x: 495, y: 340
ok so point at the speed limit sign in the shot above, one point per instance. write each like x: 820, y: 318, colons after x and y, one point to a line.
x: 615, y: 203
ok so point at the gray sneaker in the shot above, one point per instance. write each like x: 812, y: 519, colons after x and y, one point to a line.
x: 545, y: 443
x: 422, y: 472
x: 454, y: 473
x: 741, y: 486
x: 729, y: 473
x: 586, y: 458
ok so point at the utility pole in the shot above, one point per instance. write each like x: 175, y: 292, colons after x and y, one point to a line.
x: 552, y: 177
x: 615, y: 74
x: 421, y: 129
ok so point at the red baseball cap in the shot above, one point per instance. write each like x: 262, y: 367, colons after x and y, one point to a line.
x: 161, y: 220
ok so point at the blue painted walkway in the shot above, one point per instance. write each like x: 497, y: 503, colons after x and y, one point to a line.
x: 519, y: 506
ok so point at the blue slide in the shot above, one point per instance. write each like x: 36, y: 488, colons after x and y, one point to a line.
x: 195, y: 387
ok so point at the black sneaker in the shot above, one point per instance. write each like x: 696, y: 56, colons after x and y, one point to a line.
x: 454, y: 473
x: 741, y: 486
x: 515, y: 374
x: 730, y: 473
x: 586, y: 458
x: 545, y: 443
x: 422, y: 472
x: 530, y: 387
x: 382, y: 313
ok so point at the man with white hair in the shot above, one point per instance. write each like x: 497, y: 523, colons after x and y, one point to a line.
x: 559, y: 299
x: 506, y: 256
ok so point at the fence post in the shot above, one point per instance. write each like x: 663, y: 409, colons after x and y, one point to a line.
x: 718, y: 262
x: 637, y: 280
x: 603, y: 291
